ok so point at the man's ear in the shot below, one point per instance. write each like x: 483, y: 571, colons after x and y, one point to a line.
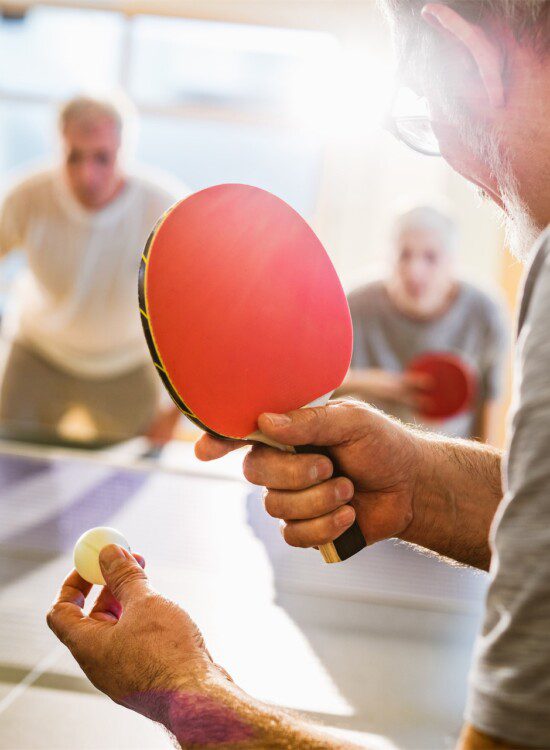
x: 486, y: 55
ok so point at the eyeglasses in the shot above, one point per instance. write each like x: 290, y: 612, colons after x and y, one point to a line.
x: 408, y: 119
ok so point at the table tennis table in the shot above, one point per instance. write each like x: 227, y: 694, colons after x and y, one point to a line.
x: 331, y: 641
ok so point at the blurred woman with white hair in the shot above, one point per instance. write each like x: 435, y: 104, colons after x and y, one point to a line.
x: 423, y: 306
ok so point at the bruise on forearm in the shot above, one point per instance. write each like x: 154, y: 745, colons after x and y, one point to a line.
x: 247, y: 724
x: 457, y: 493
x: 225, y: 718
x: 196, y: 719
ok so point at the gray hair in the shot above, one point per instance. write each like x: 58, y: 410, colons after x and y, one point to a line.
x: 428, y: 218
x: 529, y: 20
x: 87, y: 111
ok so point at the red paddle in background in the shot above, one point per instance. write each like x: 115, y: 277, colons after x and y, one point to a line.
x: 244, y: 313
x: 453, y: 384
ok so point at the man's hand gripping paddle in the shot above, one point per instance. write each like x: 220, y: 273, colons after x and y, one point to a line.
x: 244, y: 313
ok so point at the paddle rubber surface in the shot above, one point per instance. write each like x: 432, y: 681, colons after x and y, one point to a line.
x: 242, y: 309
x: 454, y: 384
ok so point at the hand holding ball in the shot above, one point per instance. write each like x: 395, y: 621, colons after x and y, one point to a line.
x: 88, y: 547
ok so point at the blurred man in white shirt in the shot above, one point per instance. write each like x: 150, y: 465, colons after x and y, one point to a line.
x: 73, y: 322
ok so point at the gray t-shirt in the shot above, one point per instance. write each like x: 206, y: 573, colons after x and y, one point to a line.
x: 510, y: 679
x: 474, y: 327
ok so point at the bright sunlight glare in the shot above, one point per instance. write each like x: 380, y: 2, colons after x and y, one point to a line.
x: 342, y: 93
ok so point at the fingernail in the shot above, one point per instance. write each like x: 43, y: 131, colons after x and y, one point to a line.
x: 344, y: 491
x: 321, y: 470
x: 344, y: 516
x: 278, y: 420
x: 110, y: 555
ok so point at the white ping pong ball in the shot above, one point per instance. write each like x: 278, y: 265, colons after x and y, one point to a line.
x: 88, y: 547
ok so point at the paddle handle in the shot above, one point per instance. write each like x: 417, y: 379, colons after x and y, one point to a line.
x: 352, y: 540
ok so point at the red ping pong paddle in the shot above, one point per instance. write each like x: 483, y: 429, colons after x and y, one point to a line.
x: 454, y: 384
x: 244, y: 313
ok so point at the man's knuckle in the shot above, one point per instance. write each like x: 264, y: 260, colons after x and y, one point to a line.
x: 293, y: 537
x: 127, y: 576
x: 352, y: 410
x: 296, y: 474
x: 52, y: 617
x: 357, y: 417
x: 323, y: 500
x: 250, y: 469
x: 272, y: 504
x: 310, y: 415
x: 288, y: 536
x: 322, y: 414
x: 315, y: 419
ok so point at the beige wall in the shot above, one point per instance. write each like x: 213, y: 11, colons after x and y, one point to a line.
x: 366, y: 175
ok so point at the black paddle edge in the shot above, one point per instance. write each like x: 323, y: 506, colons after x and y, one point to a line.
x: 155, y: 356
x: 350, y: 542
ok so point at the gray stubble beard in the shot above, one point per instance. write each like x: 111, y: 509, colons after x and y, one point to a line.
x: 521, y: 231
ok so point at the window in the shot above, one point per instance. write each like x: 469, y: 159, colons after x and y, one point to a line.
x: 214, y: 99
x: 225, y: 65
x: 53, y: 53
x: 202, y: 153
x: 26, y: 131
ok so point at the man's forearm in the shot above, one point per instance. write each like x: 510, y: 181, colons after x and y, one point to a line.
x: 224, y: 716
x: 458, y: 490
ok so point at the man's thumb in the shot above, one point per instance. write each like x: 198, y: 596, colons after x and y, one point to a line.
x: 123, y: 574
x: 319, y: 425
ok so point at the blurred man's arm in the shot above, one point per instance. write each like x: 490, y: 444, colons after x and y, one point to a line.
x: 164, y: 425
x: 11, y: 232
x: 376, y: 385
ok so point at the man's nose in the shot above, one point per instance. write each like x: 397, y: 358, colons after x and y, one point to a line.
x: 416, y: 271
x: 87, y: 173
